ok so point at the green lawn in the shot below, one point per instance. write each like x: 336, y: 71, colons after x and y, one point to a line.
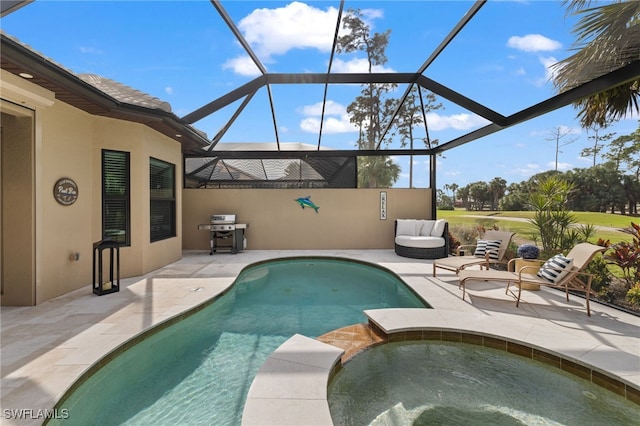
x: 524, y: 229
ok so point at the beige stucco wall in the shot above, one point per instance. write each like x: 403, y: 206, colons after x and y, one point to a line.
x: 18, y: 209
x: 347, y: 218
x: 68, y: 143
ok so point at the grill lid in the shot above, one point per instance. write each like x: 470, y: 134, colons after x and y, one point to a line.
x: 223, y: 218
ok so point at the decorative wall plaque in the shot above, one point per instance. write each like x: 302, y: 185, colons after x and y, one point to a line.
x: 383, y: 205
x: 65, y: 191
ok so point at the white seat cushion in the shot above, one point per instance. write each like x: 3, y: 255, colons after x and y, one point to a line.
x: 427, y: 227
x: 408, y: 227
x: 438, y: 228
x: 420, y: 241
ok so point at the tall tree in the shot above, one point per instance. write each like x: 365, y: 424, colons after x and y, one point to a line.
x: 625, y: 150
x: 463, y: 193
x: 480, y: 195
x: 370, y: 110
x: 607, y: 38
x: 411, y: 115
x: 598, y: 142
x: 454, y: 187
x: 497, y: 188
x: 558, y: 135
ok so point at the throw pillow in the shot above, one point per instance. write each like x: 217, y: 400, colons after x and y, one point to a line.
x: 493, y: 247
x: 406, y: 227
x: 427, y: 228
x: 555, y: 269
x: 438, y: 228
x: 481, y: 248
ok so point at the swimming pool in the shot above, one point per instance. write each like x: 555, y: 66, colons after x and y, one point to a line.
x: 435, y: 383
x: 198, y: 370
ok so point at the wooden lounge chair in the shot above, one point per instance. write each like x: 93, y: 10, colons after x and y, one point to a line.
x: 458, y: 263
x: 569, y: 278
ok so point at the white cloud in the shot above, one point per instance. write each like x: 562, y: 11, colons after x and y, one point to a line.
x: 294, y: 26
x: 548, y: 63
x: 242, y: 65
x: 90, y: 50
x: 561, y: 166
x: 526, y: 171
x: 336, y: 118
x: 566, y: 130
x: 357, y: 65
x: 549, y: 71
x: 331, y: 125
x: 331, y: 108
x: 369, y: 15
x: 168, y: 90
x: 533, y: 43
x: 456, y: 121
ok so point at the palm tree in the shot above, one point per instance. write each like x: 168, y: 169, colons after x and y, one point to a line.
x: 608, y: 37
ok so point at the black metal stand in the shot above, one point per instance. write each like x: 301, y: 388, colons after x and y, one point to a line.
x: 101, y: 287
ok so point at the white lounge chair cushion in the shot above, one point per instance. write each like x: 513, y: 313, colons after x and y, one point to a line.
x: 427, y: 228
x: 493, y: 246
x: 408, y: 227
x: 419, y: 241
x: 556, y: 268
x: 438, y: 228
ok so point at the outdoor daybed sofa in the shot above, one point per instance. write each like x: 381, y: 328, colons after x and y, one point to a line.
x: 422, y: 239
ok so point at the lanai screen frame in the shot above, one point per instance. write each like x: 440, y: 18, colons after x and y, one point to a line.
x: 497, y: 121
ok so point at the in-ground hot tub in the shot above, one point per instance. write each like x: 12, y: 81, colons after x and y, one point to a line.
x: 436, y: 383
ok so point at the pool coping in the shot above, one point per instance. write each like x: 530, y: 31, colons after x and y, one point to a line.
x: 47, y: 347
x: 281, y: 398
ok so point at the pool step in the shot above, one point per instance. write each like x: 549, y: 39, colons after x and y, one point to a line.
x: 353, y: 339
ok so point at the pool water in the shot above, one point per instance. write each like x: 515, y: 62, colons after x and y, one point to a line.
x: 198, y: 371
x: 447, y: 383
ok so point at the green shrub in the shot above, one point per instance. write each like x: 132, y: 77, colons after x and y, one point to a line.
x: 601, y: 275
x: 467, y: 234
x: 626, y: 255
x: 633, y: 295
x: 453, y: 243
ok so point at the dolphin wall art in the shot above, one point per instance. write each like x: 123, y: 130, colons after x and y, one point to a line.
x: 306, y: 202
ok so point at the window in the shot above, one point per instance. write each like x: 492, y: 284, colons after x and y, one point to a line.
x: 115, y: 196
x: 163, y: 199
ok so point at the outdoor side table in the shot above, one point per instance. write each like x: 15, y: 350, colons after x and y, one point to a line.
x: 112, y: 285
x: 521, y: 263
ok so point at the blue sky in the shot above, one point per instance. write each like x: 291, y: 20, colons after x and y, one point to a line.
x: 182, y: 52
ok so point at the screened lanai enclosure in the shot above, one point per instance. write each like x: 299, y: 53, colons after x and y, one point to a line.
x: 404, y: 129
x: 276, y: 172
x: 278, y: 124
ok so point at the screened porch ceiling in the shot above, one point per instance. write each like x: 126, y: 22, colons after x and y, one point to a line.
x: 235, y: 107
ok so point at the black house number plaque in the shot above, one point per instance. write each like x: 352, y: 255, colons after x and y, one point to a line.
x: 65, y: 191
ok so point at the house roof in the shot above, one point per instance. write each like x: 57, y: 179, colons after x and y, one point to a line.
x: 98, y: 95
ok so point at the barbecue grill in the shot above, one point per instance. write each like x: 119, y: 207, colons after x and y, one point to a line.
x: 225, y: 234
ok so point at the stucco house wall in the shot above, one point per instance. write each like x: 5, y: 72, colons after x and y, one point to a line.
x: 346, y: 219
x: 68, y: 143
